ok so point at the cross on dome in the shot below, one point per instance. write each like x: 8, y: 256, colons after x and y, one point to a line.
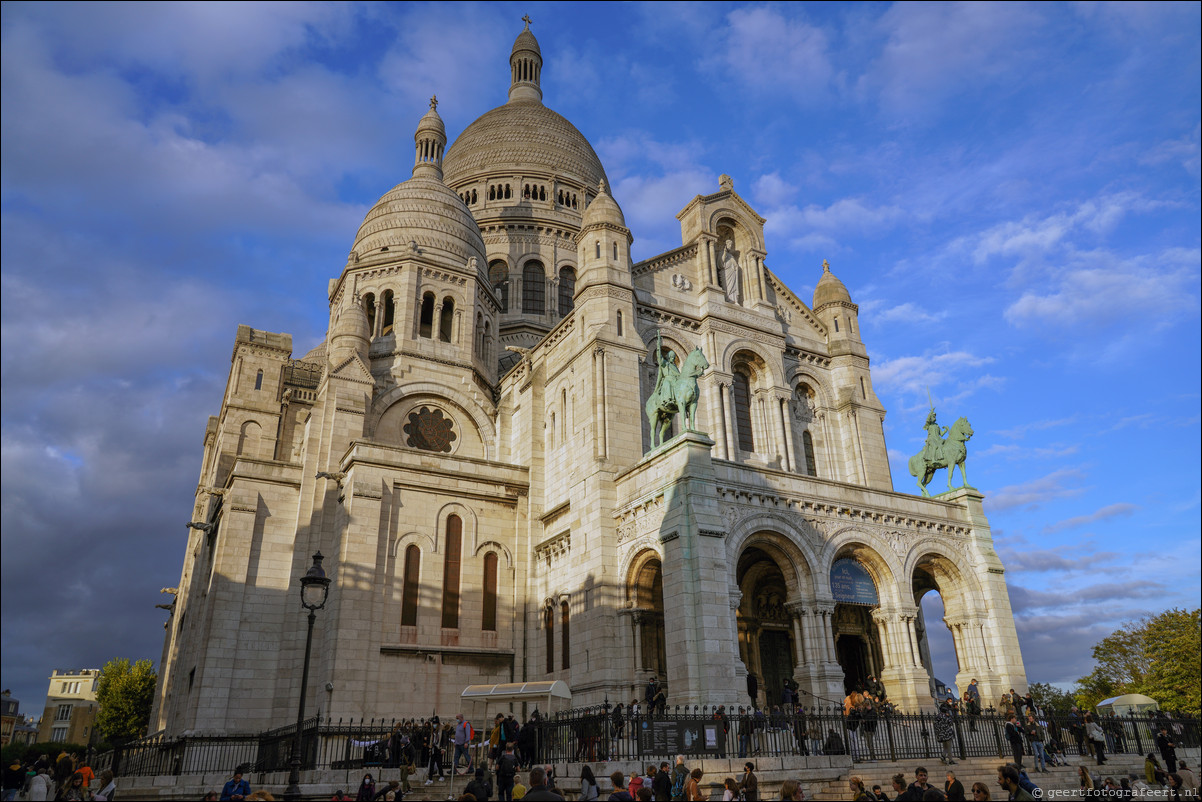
x: 526, y: 19
x: 434, y: 102
x: 826, y: 266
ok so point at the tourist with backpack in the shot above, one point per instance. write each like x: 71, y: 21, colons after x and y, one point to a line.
x: 507, y: 771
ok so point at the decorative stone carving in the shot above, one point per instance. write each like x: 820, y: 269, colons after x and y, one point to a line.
x: 681, y: 283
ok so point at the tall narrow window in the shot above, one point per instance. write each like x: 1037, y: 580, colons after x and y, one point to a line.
x: 426, y: 321
x: 387, y: 310
x: 413, y: 563
x: 567, y: 290
x: 549, y: 627
x: 565, y: 637
x: 498, y: 276
x: 863, y: 392
x: 490, y: 593
x: 450, y: 573
x: 369, y: 307
x: 741, y: 391
x: 534, y: 289
x: 259, y: 380
x: 619, y: 324
x: 807, y: 443
x: 446, y: 320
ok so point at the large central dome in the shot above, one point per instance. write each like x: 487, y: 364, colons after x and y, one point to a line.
x: 522, y: 135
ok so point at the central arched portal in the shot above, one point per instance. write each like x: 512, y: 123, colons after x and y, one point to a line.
x: 765, y: 633
x: 857, y: 639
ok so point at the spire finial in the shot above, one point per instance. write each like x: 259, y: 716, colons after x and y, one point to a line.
x: 601, y: 186
x: 433, y: 102
x: 826, y: 266
x: 526, y: 19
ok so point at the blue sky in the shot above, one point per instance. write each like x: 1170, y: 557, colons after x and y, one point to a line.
x: 1010, y: 192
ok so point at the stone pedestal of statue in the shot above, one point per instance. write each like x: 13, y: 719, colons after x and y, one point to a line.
x: 701, y: 645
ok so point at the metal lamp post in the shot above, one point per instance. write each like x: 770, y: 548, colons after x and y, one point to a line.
x: 315, y: 589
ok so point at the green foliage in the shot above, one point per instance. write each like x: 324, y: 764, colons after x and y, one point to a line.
x: 1155, y: 656
x: 125, y: 694
x: 1049, y: 697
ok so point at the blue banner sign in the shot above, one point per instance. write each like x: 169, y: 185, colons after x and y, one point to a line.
x: 851, y: 584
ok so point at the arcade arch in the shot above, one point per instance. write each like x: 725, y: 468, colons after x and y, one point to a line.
x: 943, y: 656
x: 645, y: 600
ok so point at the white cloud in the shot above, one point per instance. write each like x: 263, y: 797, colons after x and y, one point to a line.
x: 936, y: 49
x: 917, y: 374
x: 1102, y: 289
x: 767, y: 51
x: 1121, y: 510
x: 1035, y: 492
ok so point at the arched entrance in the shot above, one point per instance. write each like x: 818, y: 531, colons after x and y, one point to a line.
x: 645, y: 597
x: 937, y: 588
x: 765, y: 632
x: 857, y: 639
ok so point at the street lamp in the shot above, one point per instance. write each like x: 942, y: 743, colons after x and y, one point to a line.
x: 315, y: 589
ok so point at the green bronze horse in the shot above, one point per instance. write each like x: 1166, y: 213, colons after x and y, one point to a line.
x: 952, y: 452
x: 676, y: 394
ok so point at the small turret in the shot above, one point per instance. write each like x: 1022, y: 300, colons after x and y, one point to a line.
x: 603, y: 245
x: 430, y: 141
x: 833, y: 306
x: 526, y: 67
x: 349, y: 334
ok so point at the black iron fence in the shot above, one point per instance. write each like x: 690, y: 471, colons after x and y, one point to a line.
x: 598, y: 733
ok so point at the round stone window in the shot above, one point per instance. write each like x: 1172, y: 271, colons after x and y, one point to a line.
x: 429, y: 430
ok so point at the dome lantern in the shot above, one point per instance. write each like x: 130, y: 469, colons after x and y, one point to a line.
x: 526, y: 66
x: 430, y: 140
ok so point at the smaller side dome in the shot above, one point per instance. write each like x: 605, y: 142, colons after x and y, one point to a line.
x: 350, y: 332
x: 603, y: 209
x: 829, y: 289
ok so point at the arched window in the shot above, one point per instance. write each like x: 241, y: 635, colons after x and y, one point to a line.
x: 248, y: 438
x: 498, y: 276
x: 450, y: 573
x: 490, y: 593
x: 807, y: 444
x: 387, y: 310
x: 619, y: 323
x: 615, y: 251
x: 369, y: 306
x: 567, y: 290
x: 741, y: 391
x: 479, y: 335
x: 487, y: 352
x: 446, y: 320
x: 565, y: 637
x: 259, y: 380
x: 534, y: 289
x: 549, y: 627
x: 598, y: 249
x: 413, y: 564
x: 426, y: 321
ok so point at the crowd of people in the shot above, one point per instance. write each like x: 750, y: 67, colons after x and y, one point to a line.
x: 67, y: 777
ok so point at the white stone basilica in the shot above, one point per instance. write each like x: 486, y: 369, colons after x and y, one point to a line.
x: 469, y: 451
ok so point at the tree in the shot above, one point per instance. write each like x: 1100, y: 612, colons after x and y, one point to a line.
x: 125, y: 694
x: 1155, y: 656
x: 1050, y: 698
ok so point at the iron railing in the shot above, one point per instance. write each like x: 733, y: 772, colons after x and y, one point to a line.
x: 597, y: 733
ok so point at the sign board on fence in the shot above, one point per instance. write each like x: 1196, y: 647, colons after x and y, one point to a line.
x: 661, y: 737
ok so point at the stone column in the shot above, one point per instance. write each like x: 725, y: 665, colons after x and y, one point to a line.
x: 637, y: 620
x: 726, y: 416
x: 796, y: 611
x: 718, y: 419
x: 708, y: 258
x: 782, y: 439
x: 790, y: 448
x: 882, y: 625
x: 600, y: 444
